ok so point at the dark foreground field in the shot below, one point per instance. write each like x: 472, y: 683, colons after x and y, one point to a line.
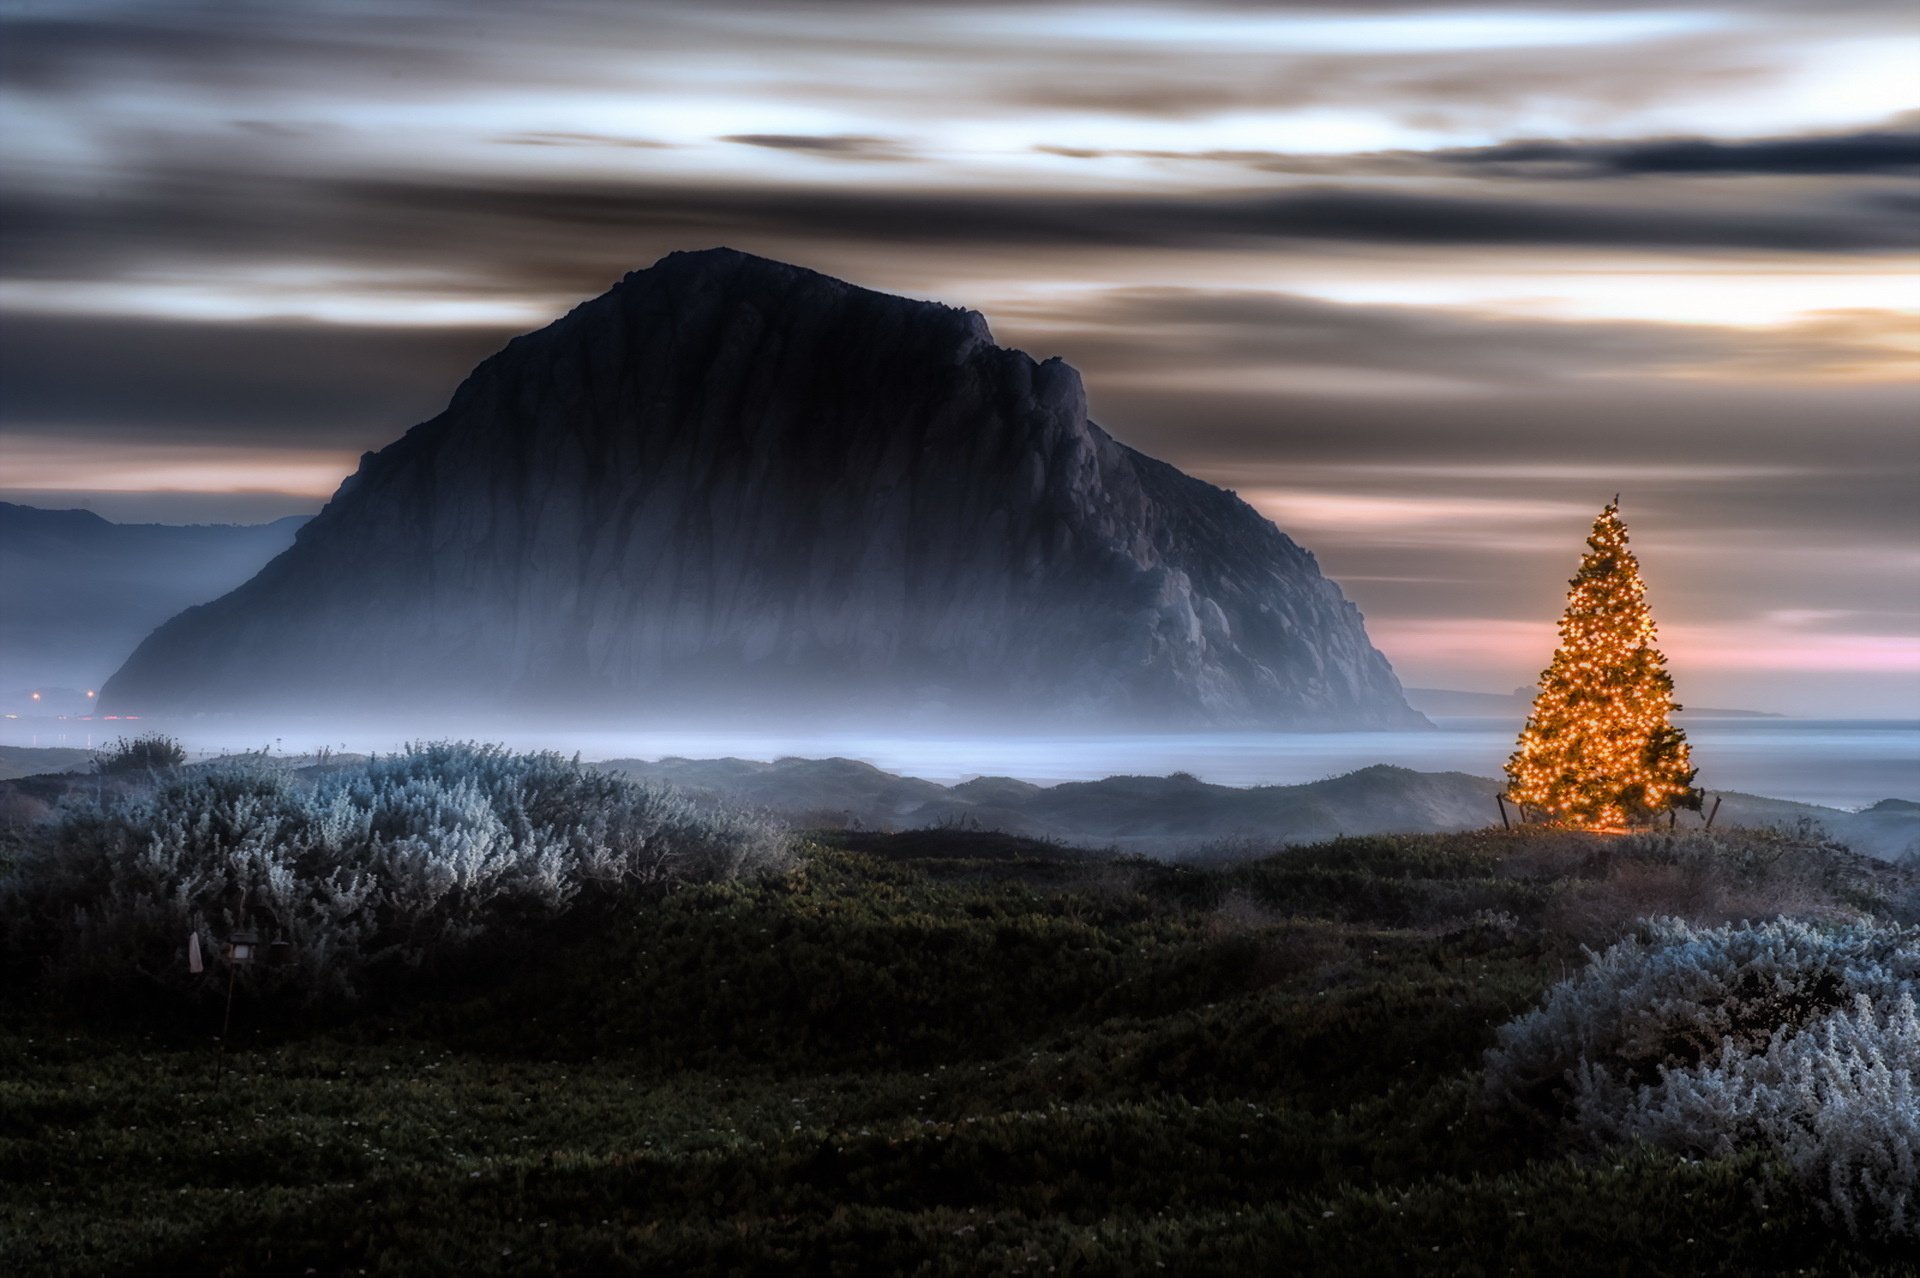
x: 928, y: 1053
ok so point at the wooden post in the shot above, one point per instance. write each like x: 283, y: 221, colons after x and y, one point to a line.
x: 1501, y: 799
x: 1716, y: 812
x: 233, y: 970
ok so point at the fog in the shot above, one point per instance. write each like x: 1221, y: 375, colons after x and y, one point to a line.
x: 1836, y: 763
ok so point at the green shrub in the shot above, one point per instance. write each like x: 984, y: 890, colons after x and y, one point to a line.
x: 949, y: 1053
x: 402, y: 861
x: 1786, y: 1037
x: 149, y: 752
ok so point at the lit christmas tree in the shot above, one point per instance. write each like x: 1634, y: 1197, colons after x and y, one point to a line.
x: 1600, y: 751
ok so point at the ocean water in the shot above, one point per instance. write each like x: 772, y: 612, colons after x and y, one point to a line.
x: 1842, y: 763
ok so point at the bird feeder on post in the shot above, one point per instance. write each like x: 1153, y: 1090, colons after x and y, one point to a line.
x: 242, y: 947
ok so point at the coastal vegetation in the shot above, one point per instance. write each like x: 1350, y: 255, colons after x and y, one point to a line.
x: 952, y: 1051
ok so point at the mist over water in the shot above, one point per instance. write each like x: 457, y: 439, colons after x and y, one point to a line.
x: 1834, y: 762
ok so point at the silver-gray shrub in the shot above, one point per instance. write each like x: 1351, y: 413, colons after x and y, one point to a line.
x: 1788, y: 1036
x: 408, y: 858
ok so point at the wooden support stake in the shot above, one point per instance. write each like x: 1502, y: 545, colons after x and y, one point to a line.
x: 220, y: 1071
x: 1501, y: 799
x: 1716, y: 812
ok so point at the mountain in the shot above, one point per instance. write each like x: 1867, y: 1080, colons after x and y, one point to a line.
x: 80, y: 593
x: 735, y: 489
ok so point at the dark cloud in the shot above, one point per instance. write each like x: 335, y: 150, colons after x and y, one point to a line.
x: 1844, y: 221
x: 512, y: 236
x: 284, y: 130
x: 217, y: 48
x: 1139, y: 333
x: 564, y: 138
x: 1619, y: 423
x: 848, y: 146
x: 1742, y: 504
x: 1876, y: 151
x: 263, y: 383
x: 1870, y: 152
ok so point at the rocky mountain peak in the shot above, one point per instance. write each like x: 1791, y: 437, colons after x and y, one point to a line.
x: 731, y: 488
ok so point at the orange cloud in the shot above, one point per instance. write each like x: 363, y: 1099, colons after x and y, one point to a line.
x: 1425, y: 649
x: 1409, y: 519
x: 51, y: 465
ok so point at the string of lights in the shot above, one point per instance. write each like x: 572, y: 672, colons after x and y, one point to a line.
x: 1599, y: 750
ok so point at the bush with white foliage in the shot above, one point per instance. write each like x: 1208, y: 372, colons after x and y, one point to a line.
x: 1787, y: 1036
x: 406, y: 859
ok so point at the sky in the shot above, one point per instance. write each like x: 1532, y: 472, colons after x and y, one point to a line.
x: 1426, y: 283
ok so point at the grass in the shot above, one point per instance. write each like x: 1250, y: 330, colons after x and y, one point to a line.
x: 938, y: 1053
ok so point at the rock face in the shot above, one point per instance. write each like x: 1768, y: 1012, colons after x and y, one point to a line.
x: 731, y: 489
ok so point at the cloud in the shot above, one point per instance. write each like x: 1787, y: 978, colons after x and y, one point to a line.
x: 432, y: 160
x: 1143, y: 334
x: 96, y: 380
x: 1482, y: 90
x: 846, y: 146
x: 557, y: 137
x: 51, y: 51
x: 55, y: 465
x: 935, y: 62
x: 1869, y: 152
x: 1745, y: 508
x: 553, y: 237
x: 1876, y: 151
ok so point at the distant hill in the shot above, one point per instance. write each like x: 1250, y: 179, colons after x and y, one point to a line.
x: 1147, y: 814
x: 1181, y: 815
x: 1448, y: 703
x: 78, y: 593
x: 33, y: 761
x: 1177, y: 816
